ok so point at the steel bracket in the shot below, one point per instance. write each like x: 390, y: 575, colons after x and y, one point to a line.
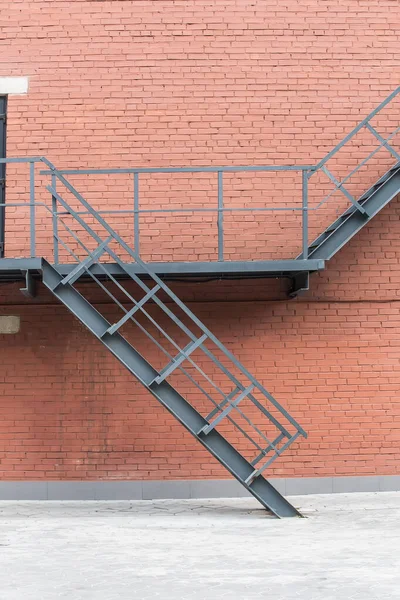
x: 300, y: 284
x: 29, y: 291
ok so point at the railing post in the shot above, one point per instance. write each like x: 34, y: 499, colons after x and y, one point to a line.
x: 3, y: 110
x: 32, y: 208
x: 136, y: 213
x: 305, y: 213
x: 55, y: 220
x: 220, y: 222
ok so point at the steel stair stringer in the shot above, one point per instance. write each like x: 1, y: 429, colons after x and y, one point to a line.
x: 326, y: 245
x: 167, y: 395
x: 351, y: 221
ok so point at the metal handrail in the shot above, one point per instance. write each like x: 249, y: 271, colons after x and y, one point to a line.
x: 220, y: 209
x: 383, y: 143
x: 356, y: 129
x: 223, y: 169
x: 358, y: 167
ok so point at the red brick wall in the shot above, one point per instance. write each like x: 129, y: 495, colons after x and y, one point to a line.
x: 71, y: 411
x: 162, y: 83
x: 165, y: 83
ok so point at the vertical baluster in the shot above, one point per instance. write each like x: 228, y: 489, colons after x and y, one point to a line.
x: 305, y: 213
x: 55, y: 220
x: 32, y: 208
x: 136, y: 213
x: 220, y: 223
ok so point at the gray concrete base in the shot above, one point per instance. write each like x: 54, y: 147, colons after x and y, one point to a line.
x: 216, y: 549
x: 182, y: 489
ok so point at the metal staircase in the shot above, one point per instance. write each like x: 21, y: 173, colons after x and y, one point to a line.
x: 363, y: 209
x: 233, y: 397
x: 182, y: 364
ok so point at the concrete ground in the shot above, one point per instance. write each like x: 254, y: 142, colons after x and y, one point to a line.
x: 348, y: 548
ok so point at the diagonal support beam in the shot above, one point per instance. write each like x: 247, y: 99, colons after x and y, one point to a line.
x: 111, y: 330
x: 382, y: 140
x: 268, y: 449
x: 207, y: 428
x: 221, y: 405
x: 86, y: 263
x: 341, y: 187
x: 260, y: 470
x: 178, y: 360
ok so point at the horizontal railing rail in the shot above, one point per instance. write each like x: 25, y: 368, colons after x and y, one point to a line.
x: 220, y: 209
x: 226, y: 169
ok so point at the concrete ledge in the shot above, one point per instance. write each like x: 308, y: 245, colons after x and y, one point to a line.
x: 14, y: 85
x: 216, y: 488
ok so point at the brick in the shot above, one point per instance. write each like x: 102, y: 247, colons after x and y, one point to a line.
x: 192, y: 83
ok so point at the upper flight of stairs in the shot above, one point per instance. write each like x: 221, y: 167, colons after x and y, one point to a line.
x: 352, y: 220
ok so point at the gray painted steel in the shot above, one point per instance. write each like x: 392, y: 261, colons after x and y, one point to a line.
x: 383, y: 141
x: 11, y: 268
x: 301, y: 283
x: 221, y: 169
x: 339, y: 185
x: 227, y: 455
x: 21, y: 264
x: 29, y: 291
x: 32, y: 208
x: 351, y: 221
x: 3, y: 139
x: 243, y: 268
x: 358, y: 127
x: 220, y: 220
